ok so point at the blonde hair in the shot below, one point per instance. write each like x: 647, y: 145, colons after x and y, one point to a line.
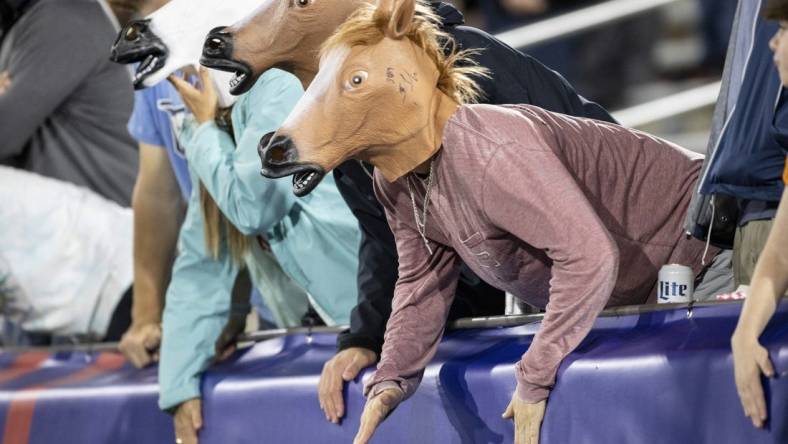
x: 214, y: 221
x: 367, y: 26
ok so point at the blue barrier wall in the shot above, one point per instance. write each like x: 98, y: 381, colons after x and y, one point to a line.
x: 658, y: 377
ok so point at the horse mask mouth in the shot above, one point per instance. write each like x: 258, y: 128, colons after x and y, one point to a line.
x: 279, y: 157
x: 137, y: 43
x: 217, y: 54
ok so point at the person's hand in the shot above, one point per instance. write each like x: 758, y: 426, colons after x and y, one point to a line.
x: 202, y: 101
x: 375, y: 411
x: 527, y: 419
x: 188, y: 421
x: 5, y: 81
x: 227, y: 343
x: 343, y: 367
x: 750, y: 359
x: 525, y: 7
x: 140, y: 344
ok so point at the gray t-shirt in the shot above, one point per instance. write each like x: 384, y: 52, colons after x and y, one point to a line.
x: 65, y: 113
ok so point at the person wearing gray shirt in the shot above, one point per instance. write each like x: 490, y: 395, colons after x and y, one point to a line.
x: 63, y: 105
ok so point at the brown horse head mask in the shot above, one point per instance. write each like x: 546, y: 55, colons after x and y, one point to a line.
x: 284, y: 34
x: 383, y: 93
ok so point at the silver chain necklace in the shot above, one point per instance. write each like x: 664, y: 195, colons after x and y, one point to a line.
x: 421, y: 225
x: 364, y: 167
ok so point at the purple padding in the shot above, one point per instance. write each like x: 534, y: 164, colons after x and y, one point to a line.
x: 651, y: 378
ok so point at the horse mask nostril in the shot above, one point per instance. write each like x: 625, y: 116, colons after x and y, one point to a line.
x: 218, y: 43
x: 214, y: 44
x: 278, y: 150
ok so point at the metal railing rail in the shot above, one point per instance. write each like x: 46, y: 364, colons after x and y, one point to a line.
x: 670, y: 106
x: 460, y: 324
x: 578, y: 21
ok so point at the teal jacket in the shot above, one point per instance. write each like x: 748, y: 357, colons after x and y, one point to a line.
x: 315, y: 239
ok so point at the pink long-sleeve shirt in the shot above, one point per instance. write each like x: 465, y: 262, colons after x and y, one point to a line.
x: 565, y: 213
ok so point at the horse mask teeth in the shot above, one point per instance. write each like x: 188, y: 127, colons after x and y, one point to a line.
x: 306, y: 181
x: 175, y: 34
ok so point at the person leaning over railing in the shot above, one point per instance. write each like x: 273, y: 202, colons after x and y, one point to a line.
x: 315, y: 239
x: 770, y: 279
x: 162, y: 189
x: 515, y: 78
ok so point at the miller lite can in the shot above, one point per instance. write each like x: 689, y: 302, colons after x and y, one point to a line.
x: 676, y: 284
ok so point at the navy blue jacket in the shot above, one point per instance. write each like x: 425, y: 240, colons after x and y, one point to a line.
x: 516, y: 78
x: 750, y: 157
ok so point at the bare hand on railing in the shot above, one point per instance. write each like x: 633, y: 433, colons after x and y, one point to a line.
x: 375, y: 411
x: 344, y: 367
x: 750, y: 360
x: 5, y: 81
x: 188, y: 421
x: 525, y: 6
x: 140, y: 344
x: 527, y: 419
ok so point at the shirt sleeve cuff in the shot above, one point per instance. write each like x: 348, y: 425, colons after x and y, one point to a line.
x: 171, y: 398
x: 383, y: 380
x: 375, y: 390
x: 529, y: 392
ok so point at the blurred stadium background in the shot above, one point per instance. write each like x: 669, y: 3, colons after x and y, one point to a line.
x: 655, y: 63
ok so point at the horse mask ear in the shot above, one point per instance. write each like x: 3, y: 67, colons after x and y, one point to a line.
x: 400, y: 15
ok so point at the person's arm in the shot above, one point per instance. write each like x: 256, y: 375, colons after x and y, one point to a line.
x: 422, y: 298
x: 158, y: 212
x: 231, y: 175
x: 769, y: 284
x: 360, y: 346
x: 196, y: 309
x: 530, y: 194
x: 377, y: 275
x: 54, y: 52
x: 770, y: 280
x: 377, y: 268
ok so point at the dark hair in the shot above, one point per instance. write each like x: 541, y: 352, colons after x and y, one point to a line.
x: 776, y: 10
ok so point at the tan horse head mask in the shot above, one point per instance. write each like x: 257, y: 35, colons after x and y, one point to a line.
x: 383, y: 93
x: 285, y: 34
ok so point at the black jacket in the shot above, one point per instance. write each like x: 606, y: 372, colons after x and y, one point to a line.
x: 515, y: 78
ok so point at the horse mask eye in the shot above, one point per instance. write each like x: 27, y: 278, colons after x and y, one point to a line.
x: 302, y: 3
x: 356, y: 80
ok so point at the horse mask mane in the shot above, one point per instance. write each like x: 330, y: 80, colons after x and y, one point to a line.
x: 383, y: 93
x: 172, y: 37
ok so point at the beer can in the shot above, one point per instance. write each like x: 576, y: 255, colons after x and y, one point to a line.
x: 676, y: 284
